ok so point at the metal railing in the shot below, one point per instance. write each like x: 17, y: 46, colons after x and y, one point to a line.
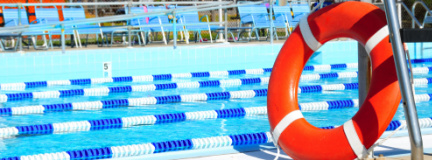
x: 413, y: 10
x: 404, y: 80
x: 105, y: 3
x: 57, y: 25
x: 411, y: 14
x: 61, y: 25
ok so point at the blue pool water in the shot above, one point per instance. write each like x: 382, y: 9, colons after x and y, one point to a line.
x: 49, y: 143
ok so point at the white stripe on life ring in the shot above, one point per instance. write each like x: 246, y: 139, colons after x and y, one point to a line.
x: 284, y: 123
x: 353, y: 139
x: 307, y: 34
x: 376, y: 38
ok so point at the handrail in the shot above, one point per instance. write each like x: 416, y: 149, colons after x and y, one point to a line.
x: 57, y: 25
x: 134, y: 26
x: 102, y: 4
x: 424, y: 6
x: 406, y: 88
x: 62, y: 24
x: 411, y: 14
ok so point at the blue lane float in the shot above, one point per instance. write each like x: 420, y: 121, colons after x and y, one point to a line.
x: 114, y: 103
x: 423, y: 60
x: 154, y: 147
x: 146, y: 78
x: 103, y: 91
x: 123, y: 122
x: 87, y: 81
x: 179, y: 145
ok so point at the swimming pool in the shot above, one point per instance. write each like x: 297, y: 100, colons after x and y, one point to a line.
x: 225, y: 93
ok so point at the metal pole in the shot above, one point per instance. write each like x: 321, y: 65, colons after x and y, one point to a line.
x: 19, y: 14
x: 404, y: 81
x: 399, y: 11
x: 63, y: 40
x: 96, y: 9
x: 271, y: 21
x: 364, y: 70
x: 234, y: 9
x: 364, y: 73
x: 413, y: 26
x: 129, y: 27
x: 226, y: 25
x: 175, y: 29
x: 220, y: 20
x: 19, y: 24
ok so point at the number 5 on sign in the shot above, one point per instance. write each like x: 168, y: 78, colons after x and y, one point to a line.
x: 107, y: 69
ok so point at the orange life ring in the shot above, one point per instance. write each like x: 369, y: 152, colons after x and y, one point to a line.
x: 365, y: 23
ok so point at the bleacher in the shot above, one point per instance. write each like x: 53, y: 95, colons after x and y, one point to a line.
x: 141, y: 29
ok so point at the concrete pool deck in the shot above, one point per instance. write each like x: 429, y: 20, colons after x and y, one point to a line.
x: 397, y: 148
